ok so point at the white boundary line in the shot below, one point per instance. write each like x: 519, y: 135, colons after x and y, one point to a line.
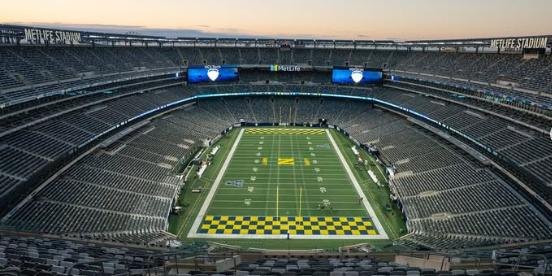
x: 382, y: 234
x: 291, y: 237
x: 205, y: 206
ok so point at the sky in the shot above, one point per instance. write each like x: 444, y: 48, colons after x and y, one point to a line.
x: 331, y: 19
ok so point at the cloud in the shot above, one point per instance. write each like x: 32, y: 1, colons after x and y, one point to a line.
x: 365, y: 37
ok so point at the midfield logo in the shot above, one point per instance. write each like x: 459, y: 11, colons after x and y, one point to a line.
x: 286, y: 161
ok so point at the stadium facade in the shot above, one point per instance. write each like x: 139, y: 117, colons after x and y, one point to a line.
x: 93, y: 126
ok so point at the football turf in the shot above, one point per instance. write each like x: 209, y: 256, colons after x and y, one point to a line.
x: 281, y: 181
x: 285, y: 172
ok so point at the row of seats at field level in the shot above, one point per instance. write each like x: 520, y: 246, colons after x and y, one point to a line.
x: 32, y: 255
x: 21, y: 67
x: 347, y: 266
x: 508, y: 262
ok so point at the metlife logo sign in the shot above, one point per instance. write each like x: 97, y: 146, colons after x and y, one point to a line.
x: 285, y: 68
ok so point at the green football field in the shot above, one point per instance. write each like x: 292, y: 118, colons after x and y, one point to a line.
x: 277, y: 182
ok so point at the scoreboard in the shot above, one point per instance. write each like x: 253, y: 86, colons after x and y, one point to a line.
x: 212, y: 73
x: 229, y: 73
x: 343, y: 75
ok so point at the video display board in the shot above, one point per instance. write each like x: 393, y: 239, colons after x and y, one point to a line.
x: 356, y: 76
x: 212, y: 73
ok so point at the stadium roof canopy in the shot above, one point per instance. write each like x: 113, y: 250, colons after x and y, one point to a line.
x: 15, y: 34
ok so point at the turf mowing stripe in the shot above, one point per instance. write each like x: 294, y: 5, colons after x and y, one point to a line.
x: 277, y: 198
x: 292, y: 209
x: 205, y: 206
x: 267, y: 196
x: 278, y: 174
x: 300, y: 195
x: 294, y: 172
x: 303, y: 185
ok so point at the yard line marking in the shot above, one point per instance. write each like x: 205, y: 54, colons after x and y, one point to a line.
x: 287, y: 189
x: 205, y: 206
x: 260, y: 183
x: 291, y: 209
x: 281, y: 201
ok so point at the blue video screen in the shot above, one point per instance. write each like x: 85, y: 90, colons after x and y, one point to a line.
x: 199, y: 74
x: 356, y: 76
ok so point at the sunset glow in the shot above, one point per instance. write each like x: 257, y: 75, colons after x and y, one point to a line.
x: 350, y: 19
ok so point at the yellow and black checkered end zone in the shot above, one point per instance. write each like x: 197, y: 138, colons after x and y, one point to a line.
x: 284, y: 131
x: 257, y: 225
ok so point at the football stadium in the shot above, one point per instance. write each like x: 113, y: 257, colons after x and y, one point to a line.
x: 134, y: 154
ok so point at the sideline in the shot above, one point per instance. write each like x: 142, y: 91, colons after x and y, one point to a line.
x: 207, y: 202
x: 382, y: 234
